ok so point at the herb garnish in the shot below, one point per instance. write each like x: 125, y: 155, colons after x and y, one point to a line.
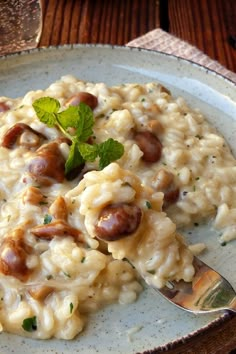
x: 151, y: 271
x: 30, y: 324
x: 71, y: 307
x: 67, y: 274
x: 76, y: 123
x: 47, y: 219
x: 43, y: 203
x: 148, y: 204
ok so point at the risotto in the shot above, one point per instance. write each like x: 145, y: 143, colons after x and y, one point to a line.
x: 76, y: 231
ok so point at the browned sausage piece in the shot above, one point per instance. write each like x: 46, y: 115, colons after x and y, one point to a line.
x: 49, y: 163
x: 13, y: 256
x: 85, y: 97
x: 3, y: 107
x: 117, y: 221
x: 56, y: 228
x: 150, y: 145
x: 12, y: 134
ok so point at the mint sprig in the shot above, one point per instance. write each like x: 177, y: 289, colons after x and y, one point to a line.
x: 108, y: 151
x: 76, y: 123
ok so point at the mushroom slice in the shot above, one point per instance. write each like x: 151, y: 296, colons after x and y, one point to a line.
x: 58, y: 209
x: 56, y: 228
x: 28, y: 137
x: 13, y: 256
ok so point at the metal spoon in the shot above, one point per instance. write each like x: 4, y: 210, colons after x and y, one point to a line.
x: 208, y: 291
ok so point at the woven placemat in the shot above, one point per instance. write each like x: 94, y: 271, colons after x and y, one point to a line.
x: 165, y: 42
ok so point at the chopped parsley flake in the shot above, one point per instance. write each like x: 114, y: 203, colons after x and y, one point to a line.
x: 151, y: 271
x: 67, y: 274
x: 43, y: 203
x: 30, y: 324
x: 148, y: 205
x: 47, y: 219
x: 71, y: 307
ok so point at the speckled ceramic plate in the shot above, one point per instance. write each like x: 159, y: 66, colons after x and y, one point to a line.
x: 152, y: 321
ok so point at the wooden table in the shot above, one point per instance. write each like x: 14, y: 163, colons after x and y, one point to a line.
x: 210, y: 25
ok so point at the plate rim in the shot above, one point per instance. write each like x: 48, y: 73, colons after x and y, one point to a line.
x: 121, y: 47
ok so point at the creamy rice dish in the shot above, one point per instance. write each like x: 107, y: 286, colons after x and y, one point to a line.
x: 77, y: 232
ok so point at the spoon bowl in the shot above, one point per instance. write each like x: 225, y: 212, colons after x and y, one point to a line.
x: 208, y: 292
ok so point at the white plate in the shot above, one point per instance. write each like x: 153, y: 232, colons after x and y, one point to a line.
x: 157, y: 322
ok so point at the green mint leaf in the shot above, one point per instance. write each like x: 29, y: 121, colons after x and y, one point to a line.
x: 30, y: 324
x: 46, y: 109
x: 86, y: 122
x: 109, y: 151
x: 74, y: 159
x: 88, y: 152
x: 79, y: 117
x: 47, y: 219
x: 69, y: 118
